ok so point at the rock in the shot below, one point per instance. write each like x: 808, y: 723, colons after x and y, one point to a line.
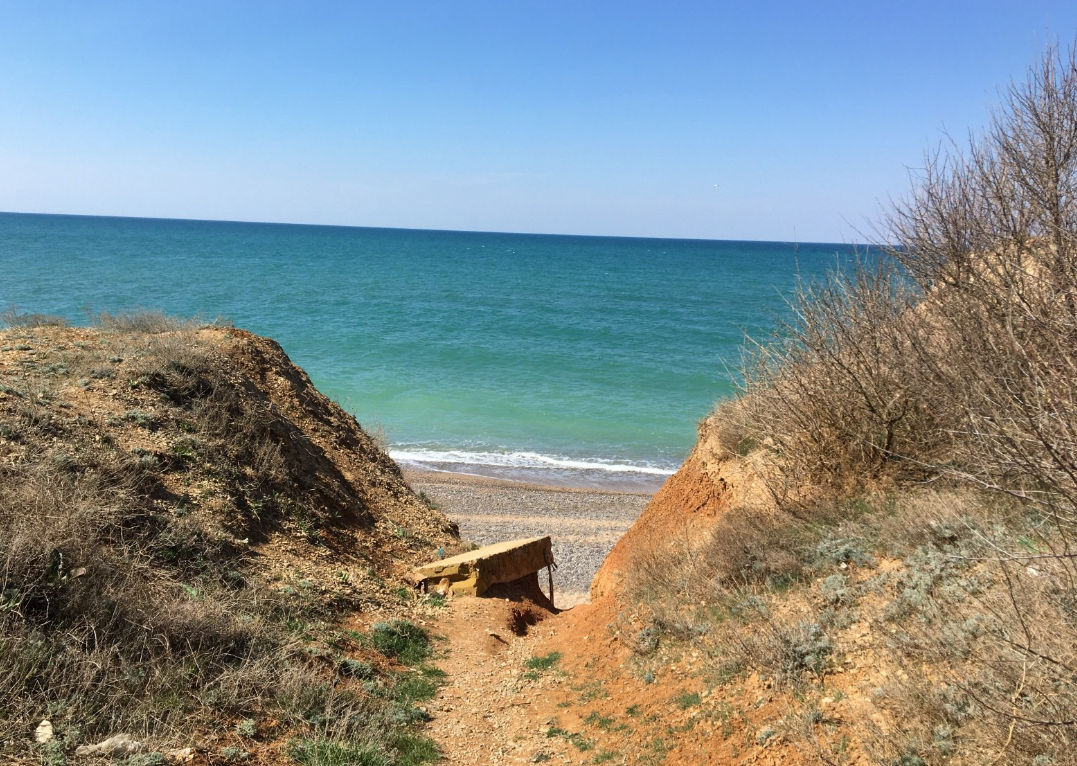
x: 120, y: 744
x: 43, y: 732
x: 180, y: 755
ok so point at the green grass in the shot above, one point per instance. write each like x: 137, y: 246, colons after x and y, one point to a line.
x: 686, y: 700
x: 414, y: 749
x: 402, y: 640
x: 324, y: 752
x: 578, y: 740
x: 538, y: 665
x: 544, y: 663
x: 603, y: 722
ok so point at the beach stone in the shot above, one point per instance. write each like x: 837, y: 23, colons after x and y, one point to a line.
x: 472, y: 573
x: 120, y: 744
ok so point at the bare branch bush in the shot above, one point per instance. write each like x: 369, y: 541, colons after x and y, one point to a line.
x: 948, y: 357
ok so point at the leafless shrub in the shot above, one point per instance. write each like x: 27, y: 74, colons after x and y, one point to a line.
x: 835, y: 397
x: 13, y: 318
x: 145, y: 321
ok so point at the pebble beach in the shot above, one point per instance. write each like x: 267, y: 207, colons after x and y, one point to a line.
x: 583, y: 523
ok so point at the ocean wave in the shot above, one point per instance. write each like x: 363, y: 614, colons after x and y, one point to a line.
x: 522, y: 460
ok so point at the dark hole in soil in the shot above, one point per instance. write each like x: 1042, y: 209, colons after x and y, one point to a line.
x: 521, y: 619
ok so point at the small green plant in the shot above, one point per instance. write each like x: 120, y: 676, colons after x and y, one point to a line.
x: 543, y: 663
x: 594, y: 718
x: 414, y: 749
x: 356, y: 668
x: 401, y: 640
x: 233, y: 754
x: 835, y: 590
x: 578, y: 740
x: 145, y: 759
x: 52, y: 753
x: 687, y: 700
x: 246, y: 728
x: 807, y: 648
x: 139, y: 418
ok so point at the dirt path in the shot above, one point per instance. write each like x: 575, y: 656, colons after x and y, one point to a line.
x: 477, y: 714
x: 570, y: 691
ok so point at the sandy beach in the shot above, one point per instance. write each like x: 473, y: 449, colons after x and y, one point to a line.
x: 584, y: 523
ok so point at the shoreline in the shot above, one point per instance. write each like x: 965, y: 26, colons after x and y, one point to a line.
x: 584, y: 523
x: 459, y: 478
x: 596, y: 478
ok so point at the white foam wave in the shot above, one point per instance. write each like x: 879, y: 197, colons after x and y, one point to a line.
x: 521, y: 460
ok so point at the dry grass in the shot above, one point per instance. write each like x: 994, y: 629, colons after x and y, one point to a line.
x: 11, y: 317
x: 129, y: 599
x: 921, y: 409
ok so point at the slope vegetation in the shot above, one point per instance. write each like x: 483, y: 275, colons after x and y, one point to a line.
x: 198, y: 550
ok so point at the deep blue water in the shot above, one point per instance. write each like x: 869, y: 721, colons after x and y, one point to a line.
x: 552, y: 357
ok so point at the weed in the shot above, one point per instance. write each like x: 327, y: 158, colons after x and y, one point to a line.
x: 324, y: 752
x: 687, y: 700
x: 543, y: 663
x: 590, y: 691
x: 580, y: 742
x: 356, y: 668
x: 401, y: 640
x: 835, y: 589
x: 414, y: 749
x: 594, y: 718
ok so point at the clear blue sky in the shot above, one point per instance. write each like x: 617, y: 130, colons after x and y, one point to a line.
x: 561, y: 116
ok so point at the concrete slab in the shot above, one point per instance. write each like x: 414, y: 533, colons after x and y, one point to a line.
x: 471, y: 573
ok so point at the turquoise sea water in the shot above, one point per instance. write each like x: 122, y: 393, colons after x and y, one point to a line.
x: 578, y: 360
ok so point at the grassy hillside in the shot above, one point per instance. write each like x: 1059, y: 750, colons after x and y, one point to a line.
x: 198, y: 549
x: 893, y: 555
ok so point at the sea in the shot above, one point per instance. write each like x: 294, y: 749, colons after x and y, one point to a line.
x: 561, y: 360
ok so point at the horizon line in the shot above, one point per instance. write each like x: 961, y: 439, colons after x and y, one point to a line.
x: 417, y: 229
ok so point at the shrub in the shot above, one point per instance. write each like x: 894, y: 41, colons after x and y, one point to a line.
x: 12, y: 318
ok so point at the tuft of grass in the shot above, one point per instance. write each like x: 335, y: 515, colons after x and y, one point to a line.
x: 543, y: 663
x: 325, y: 752
x: 594, y: 718
x: 687, y: 700
x: 401, y: 640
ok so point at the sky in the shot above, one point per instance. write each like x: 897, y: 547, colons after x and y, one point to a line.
x: 561, y: 116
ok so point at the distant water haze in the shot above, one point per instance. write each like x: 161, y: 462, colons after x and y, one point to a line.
x: 581, y: 361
